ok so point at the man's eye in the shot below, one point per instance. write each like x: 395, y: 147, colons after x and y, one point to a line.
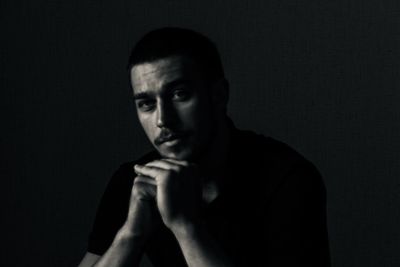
x: 180, y: 95
x: 145, y: 105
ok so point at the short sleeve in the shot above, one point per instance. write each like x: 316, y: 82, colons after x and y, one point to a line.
x: 112, y: 210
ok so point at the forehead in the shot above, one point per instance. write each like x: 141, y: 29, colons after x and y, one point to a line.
x: 156, y: 74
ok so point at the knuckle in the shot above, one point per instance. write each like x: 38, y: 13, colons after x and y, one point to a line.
x: 186, y: 164
x: 137, y: 188
x: 137, y: 181
x: 142, y: 191
x: 177, y: 168
x: 138, y: 185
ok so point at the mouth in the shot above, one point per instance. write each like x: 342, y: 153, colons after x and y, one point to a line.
x: 170, y: 139
x: 172, y: 142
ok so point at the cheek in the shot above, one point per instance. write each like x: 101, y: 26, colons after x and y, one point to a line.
x: 197, y: 110
x: 147, y: 125
x: 201, y: 120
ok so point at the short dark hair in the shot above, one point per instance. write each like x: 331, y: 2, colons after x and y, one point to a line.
x: 171, y: 41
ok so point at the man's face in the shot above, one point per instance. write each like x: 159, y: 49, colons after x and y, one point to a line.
x: 174, y: 106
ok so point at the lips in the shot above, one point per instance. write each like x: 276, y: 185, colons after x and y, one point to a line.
x: 163, y: 138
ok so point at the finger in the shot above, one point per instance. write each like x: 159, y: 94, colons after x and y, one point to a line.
x: 177, y: 162
x: 141, y: 171
x: 153, y: 172
x: 145, y: 179
x: 163, y: 165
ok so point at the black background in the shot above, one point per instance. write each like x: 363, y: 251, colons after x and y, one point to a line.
x: 322, y: 76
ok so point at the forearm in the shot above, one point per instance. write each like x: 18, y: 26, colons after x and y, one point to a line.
x: 126, y: 250
x: 128, y: 245
x: 199, y: 248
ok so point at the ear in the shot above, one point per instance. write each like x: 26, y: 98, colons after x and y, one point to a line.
x: 220, y: 94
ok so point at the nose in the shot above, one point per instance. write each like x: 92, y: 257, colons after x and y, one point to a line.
x: 165, y: 115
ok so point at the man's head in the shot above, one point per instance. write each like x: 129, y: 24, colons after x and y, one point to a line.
x: 179, y: 90
x: 166, y: 42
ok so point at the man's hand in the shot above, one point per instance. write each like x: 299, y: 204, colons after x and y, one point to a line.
x: 178, y: 197
x: 142, y: 215
x: 178, y: 193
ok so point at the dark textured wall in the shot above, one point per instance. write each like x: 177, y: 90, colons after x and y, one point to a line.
x: 322, y: 76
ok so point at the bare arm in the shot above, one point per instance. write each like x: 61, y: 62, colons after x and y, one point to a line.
x: 177, y: 201
x: 127, y: 246
x: 89, y: 260
x: 126, y: 250
x: 199, y: 248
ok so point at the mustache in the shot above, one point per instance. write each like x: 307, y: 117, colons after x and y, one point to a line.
x: 167, y: 135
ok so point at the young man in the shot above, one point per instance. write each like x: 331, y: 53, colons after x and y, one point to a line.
x: 209, y: 194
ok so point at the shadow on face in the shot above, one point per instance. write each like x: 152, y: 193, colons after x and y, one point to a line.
x: 178, y: 108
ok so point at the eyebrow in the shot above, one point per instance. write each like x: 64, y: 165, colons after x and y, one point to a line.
x: 177, y: 82
x: 167, y: 87
x: 141, y: 95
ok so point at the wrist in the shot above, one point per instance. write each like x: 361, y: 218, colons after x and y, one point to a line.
x: 140, y: 221
x: 187, y: 229
x: 127, y: 232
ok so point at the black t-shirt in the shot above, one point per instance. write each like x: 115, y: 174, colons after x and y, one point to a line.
x: 271, y: 210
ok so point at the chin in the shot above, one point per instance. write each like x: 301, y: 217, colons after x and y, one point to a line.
x: 184, y: 154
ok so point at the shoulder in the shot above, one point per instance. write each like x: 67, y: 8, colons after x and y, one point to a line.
x: 258, y: 148
x: 273, y: 164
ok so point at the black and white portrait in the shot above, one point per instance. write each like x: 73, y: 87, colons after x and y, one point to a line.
x: 188, y: 133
